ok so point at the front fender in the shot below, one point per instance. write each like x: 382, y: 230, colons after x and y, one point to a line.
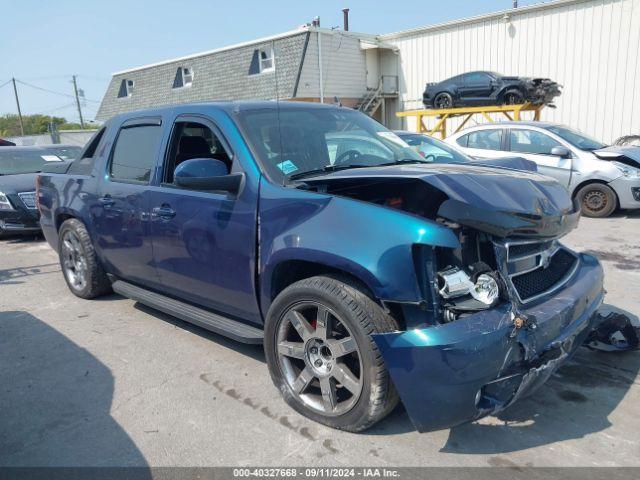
x: 371, y: 242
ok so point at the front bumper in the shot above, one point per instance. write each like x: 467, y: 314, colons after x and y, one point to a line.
x: 628, y: 191
x: 20, y: 220
x: 472, y: 367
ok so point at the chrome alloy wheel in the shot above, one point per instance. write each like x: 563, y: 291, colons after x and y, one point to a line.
x: 74, y: 262
x: 319, y: 358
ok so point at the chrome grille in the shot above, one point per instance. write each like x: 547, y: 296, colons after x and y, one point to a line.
x: 535, y: 268
x: 29, y: 199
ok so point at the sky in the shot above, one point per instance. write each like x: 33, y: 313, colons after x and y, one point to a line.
x: 43, y: 43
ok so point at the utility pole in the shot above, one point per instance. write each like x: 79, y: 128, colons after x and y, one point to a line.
x: 15, y: 91
x: 75, y: 90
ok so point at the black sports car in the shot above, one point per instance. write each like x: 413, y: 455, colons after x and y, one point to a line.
x: 489, y: 88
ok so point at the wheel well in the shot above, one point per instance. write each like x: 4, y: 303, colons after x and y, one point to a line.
x: 60, y: 219
x: 509, y: 90
x: 291, y: 271
x: 589, y: 182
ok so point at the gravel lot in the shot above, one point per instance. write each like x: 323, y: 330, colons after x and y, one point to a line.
x: 111, y: 382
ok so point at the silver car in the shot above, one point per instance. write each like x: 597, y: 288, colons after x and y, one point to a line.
x: 601, y: 178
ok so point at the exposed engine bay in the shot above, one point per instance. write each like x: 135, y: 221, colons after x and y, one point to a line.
x: 496, y: 261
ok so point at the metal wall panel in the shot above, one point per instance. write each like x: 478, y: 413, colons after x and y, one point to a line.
x: 591, y: 47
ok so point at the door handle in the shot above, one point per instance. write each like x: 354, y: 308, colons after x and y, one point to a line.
x: 165, y: 212
x: 107, y: 201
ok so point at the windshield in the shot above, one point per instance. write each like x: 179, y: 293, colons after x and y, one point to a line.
x: 13, y: 162
x: 434, y: 150
x: 317, y: 139
x: 576, y: 138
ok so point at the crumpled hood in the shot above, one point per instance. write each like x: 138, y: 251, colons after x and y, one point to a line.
x: 629, y: 155
x: 498, y: 201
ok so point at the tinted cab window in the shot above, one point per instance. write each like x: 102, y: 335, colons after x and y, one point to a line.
x: 135, y: 152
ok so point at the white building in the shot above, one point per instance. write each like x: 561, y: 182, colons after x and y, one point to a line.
x: 591, y: 47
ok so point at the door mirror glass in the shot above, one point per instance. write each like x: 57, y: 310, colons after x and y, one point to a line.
x: 206, y: 174
x: 562, y: 152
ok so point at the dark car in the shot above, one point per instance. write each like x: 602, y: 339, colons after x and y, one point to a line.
x: 19, y: 167
x: 489, y: 88
x: 437, y: 151
x: 367, y: 272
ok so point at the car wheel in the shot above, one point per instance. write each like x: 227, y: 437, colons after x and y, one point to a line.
x: 443, y: 100
x: 513, y: 97
x: 597, y: 200
x: 82, y: 271
x: 321, y: 354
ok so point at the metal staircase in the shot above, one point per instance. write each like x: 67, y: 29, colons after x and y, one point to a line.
x: 370, y: 101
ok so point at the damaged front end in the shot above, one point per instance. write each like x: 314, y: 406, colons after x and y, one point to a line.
x: 541, y: 91
x: 499, y: 313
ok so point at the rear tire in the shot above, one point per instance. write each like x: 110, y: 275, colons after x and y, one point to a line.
x: 81, y: 268
x: 597, y: 200
x: 443, y: 100
x: 309, y: 367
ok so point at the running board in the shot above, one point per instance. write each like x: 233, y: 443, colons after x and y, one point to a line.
x: 203, y: 318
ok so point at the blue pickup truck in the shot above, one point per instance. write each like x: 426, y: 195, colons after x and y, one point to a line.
x: 369, y: 274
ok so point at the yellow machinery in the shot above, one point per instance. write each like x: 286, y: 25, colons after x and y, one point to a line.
x: 512, y: 112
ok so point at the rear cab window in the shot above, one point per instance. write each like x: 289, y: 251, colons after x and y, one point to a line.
x: 135, y: 152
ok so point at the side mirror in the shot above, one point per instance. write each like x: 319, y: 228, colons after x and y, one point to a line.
x: 562, y: 152
x: 206, y: 174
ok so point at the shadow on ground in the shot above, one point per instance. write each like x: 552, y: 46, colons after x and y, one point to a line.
x: 55, y: 399
x: 575, y: 402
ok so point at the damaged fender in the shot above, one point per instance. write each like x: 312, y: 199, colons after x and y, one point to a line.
x: 478, y: 365
x: 337, y: 232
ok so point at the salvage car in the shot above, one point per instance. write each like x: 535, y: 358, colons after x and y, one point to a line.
x: 368, y: 277
x: 18, y: 169
x: 489, y: 88
x: 437, y: 151
x: 601, y: 178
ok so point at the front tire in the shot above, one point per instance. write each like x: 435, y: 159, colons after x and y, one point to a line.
x: 597, y: 200
x: 82, y: 271
x: 443, y: 100
x: 321, y: 355
x: 513, y: 97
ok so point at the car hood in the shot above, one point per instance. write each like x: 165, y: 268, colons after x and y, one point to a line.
x: 498, y: 201
x: 24, y: 182
x: 629, y: 155
x: 517, y: 163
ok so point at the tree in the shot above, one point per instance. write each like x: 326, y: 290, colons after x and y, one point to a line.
x: 33, y: 124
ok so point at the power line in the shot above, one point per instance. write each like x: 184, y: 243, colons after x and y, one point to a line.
x: 5, y: 83
x: 52, y: 91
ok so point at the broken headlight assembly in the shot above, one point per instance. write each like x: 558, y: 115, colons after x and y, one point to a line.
x: 464, y: 293
x: 469, y: 281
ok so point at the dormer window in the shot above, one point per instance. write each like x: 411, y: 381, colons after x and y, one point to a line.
x: 126, y: 88
x: 262, y: 61
x: 183, y: 78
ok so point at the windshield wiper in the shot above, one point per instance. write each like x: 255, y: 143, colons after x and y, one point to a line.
x: 404, y: 161
x: 326, y: 168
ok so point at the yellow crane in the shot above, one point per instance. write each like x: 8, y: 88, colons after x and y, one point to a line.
x: 511, y: 112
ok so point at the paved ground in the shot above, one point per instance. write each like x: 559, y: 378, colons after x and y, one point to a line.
x: 110, y: 382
